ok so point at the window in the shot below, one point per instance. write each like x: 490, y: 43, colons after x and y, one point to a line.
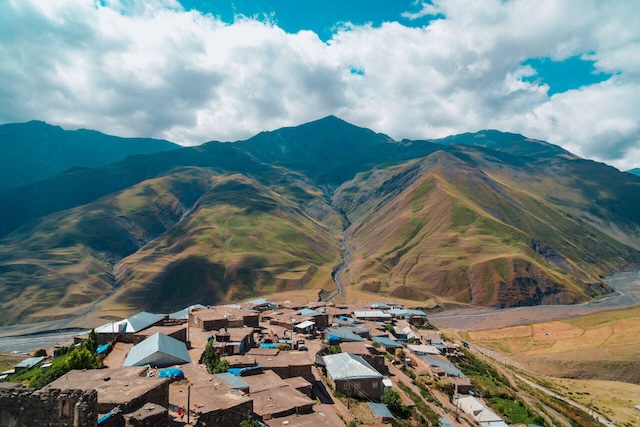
x: 374, y: 385
x: 356, y: 385
x: 346, y: 386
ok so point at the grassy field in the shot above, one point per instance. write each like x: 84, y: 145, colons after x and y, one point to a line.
x: 586, y: 352
x: 613, y: 399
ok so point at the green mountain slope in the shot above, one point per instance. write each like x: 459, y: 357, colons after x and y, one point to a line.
x: 35, y: 151
x: 468, y: 226
x: 489, y: 218
x: 190, y: 233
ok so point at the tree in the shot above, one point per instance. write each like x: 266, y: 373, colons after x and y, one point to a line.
x: 400, y: 356
x: 92, y: 341
x: 391, y: 398
x: 211, y: 359
x: 250, y: 422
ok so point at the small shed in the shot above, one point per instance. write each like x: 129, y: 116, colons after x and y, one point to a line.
x: 305, y: 327
x: 28, y: 363
x: 388, y: 344
x: 381, y: 411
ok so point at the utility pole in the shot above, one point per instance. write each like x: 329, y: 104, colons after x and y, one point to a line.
x: 188, y: 402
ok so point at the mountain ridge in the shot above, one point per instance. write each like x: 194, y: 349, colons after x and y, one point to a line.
x: 35, y: 151
x: 489, y: 219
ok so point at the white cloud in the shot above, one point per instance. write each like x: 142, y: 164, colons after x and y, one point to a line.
x: 154, y: 69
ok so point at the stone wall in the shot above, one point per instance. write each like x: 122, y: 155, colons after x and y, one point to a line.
x: 232, y: 416
x: 51, y: 408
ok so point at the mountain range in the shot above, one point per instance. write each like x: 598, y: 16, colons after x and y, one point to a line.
x: 486, y: 218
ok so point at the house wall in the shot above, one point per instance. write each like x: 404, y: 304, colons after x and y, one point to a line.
x: 51, y: 408
x: 366, y: 388
x: 232, y: 416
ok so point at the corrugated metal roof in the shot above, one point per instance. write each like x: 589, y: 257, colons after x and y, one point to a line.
x: 309, y: 313
x: 380, y: 410
x: 371, y: 314
x: 447, y: 367
x: 345, y: 366
x: 235, y: 382
x: 142, y: 320
x: 407, y: 312
x: 379, y: 305
x: 158, y: 350
x: 387, y: 342
x: 184, y: 313
x: 30, y: 362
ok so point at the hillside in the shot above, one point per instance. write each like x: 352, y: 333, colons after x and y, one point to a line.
x: 635, y: 171
x: 443, y: 227
x: 190, y: 233
x: 488, y: 219
x: 35, y: 151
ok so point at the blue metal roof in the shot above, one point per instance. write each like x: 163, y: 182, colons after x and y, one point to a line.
x: 184, y: 313
x: 158, y: 350
x: 380, y: 410
x: 343, y: 334
x: 308, y: 312
x: 407, y: 312
x: 30, y: 362
x: 142, y: 320
x: 447, y: 367
x: 235, y: 382
x: 387, y: 342
x: 444, y: 422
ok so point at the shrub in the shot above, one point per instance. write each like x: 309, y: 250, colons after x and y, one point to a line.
x: 283, y: 346
x: 335, y: 349
x: 211, y: 359
x: 78, y: 358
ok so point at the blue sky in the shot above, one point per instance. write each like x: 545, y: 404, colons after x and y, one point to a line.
x: 321, y: 17
x: 564, y: 71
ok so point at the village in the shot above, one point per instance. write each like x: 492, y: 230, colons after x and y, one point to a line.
x: 282, y: 364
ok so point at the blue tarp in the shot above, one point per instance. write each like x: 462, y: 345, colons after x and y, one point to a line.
x: 240, y: 372
x: 105, y: 417
x: 170, y: 373
x: 333, y: 339
x: 444, y: 422
x: 267, y: 345
x: 103, y: 348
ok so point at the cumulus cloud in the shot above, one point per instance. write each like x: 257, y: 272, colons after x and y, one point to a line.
x: 150, y: 68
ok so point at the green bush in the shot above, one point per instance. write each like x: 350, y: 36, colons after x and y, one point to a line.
x: 391, y: 398
x: 211, y: 359
x: 78, y: 358
x: 335, y: 349
x: 283, y: 346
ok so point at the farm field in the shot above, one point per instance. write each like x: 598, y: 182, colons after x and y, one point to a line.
x: 615, y: 400
x: 601, y: 346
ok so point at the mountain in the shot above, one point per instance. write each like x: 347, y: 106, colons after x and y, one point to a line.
x: 330, y: 151
x: 489, y: 218
x: 473, y: 228
x: 35, y: 151
x: 635, y: 171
